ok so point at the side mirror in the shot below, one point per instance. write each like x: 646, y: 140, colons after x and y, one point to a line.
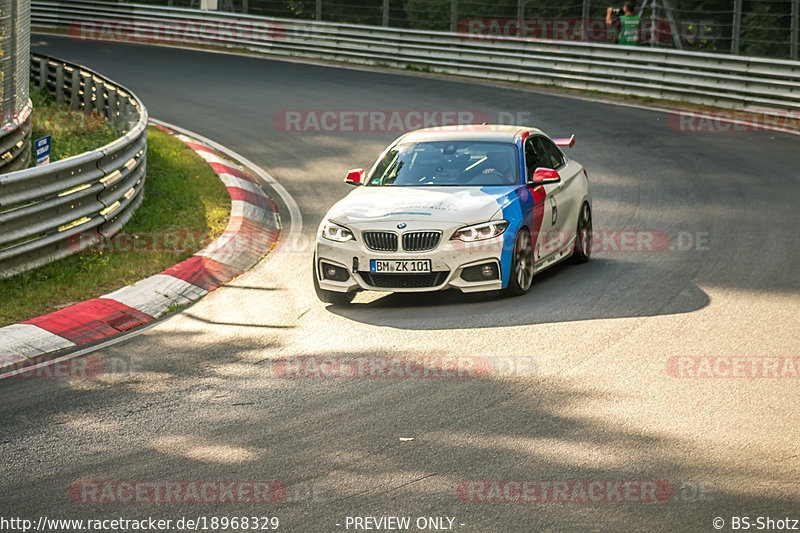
x: 355, y: 177
x: 544, y: 176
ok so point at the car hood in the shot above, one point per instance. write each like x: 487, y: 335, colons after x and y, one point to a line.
x: 465, y: 205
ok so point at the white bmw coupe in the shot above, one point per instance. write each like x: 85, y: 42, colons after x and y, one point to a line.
x: 476, y: 208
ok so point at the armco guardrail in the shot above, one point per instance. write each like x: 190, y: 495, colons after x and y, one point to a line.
x: 54, y: 210
x: 735, y: 82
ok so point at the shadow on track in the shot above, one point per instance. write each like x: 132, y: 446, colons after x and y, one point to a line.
x: 601, y: 289
x: 171, y: 421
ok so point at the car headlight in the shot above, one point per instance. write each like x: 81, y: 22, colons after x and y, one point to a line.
x: 335, y: 232
x: 480, y: 232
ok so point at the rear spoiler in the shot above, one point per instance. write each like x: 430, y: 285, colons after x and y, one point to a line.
x: 569, y: 143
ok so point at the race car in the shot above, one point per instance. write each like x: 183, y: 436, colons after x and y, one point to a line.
x: 475, y: 208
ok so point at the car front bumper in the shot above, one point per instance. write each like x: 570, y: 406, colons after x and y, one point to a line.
x: 448, y: 262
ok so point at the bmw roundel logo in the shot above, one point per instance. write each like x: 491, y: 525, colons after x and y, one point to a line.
x: 401, y: 225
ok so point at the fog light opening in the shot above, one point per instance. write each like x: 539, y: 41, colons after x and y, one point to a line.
x: 484, y: 272
x: 334, y: 272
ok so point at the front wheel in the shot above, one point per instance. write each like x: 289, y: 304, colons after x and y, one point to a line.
x: 330, y: 297
x: 583, y: 236
x: 521, y: 264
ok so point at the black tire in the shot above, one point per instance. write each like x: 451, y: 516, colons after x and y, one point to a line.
x: 583, y: 241
x: 522, y: 265
x: 330, y: 297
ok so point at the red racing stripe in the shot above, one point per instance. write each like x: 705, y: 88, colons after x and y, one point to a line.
x: 539, y: 195
x: 250, y: 197
x: 91, y: 320
x: 162, y: 128
x: 219, y: 168
x: 201, y: 148
x: 203, y: 272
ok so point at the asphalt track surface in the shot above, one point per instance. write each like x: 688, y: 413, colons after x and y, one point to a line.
x: 195, y: 397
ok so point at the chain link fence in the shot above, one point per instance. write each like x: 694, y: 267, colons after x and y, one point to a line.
x: 14, y: 50
x: 761, y: 28
x: 15, y: 126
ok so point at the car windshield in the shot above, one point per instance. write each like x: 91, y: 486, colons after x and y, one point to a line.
x: 447, y: 163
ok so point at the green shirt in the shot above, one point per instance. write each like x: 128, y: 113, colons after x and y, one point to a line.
x: 629, y: 29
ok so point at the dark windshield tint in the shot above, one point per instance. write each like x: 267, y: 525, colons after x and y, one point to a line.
x: 555, y: 155
x: 446, y: 163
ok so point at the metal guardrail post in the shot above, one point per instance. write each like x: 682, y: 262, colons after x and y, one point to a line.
x: 60, y: 84
x: 113, y: 107
x: 520, y: 10
x: 585, y: 16
x: 123, y: 112
x: 653, y: 17
x: 385, y: 13
x: 75, y: 87
x: 453, y: 15
x: 318, y: 10
x: 793, y: 53
x: 87, y: 83
x: 43, y: 73
x: 737, y: 26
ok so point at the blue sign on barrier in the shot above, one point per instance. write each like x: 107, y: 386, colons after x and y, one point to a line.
x: 42, y: 150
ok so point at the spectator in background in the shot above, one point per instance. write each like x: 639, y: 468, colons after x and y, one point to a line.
x: 628, y: 23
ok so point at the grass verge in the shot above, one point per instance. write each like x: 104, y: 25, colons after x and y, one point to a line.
x: 72, y: 132
x: 185, y: 206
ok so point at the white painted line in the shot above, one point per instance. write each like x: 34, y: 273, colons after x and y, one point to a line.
x: 269, y: 218
x: 234, y: 181
x: 214, y: 158
x: 27, y: 340
x: 111, y: 342
x: 156, y: 294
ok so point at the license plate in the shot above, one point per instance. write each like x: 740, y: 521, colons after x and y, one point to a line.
x: 403, y: 266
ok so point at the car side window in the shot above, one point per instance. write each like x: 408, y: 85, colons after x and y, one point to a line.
x: 535, y: 157
x: 555, y: 156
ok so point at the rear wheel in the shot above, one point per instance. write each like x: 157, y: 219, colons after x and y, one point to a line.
x: 521, y: 277
x: 330, y: 297
x: 583, y: 240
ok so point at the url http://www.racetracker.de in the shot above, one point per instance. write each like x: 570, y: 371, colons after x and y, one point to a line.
x: 198, y: 523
